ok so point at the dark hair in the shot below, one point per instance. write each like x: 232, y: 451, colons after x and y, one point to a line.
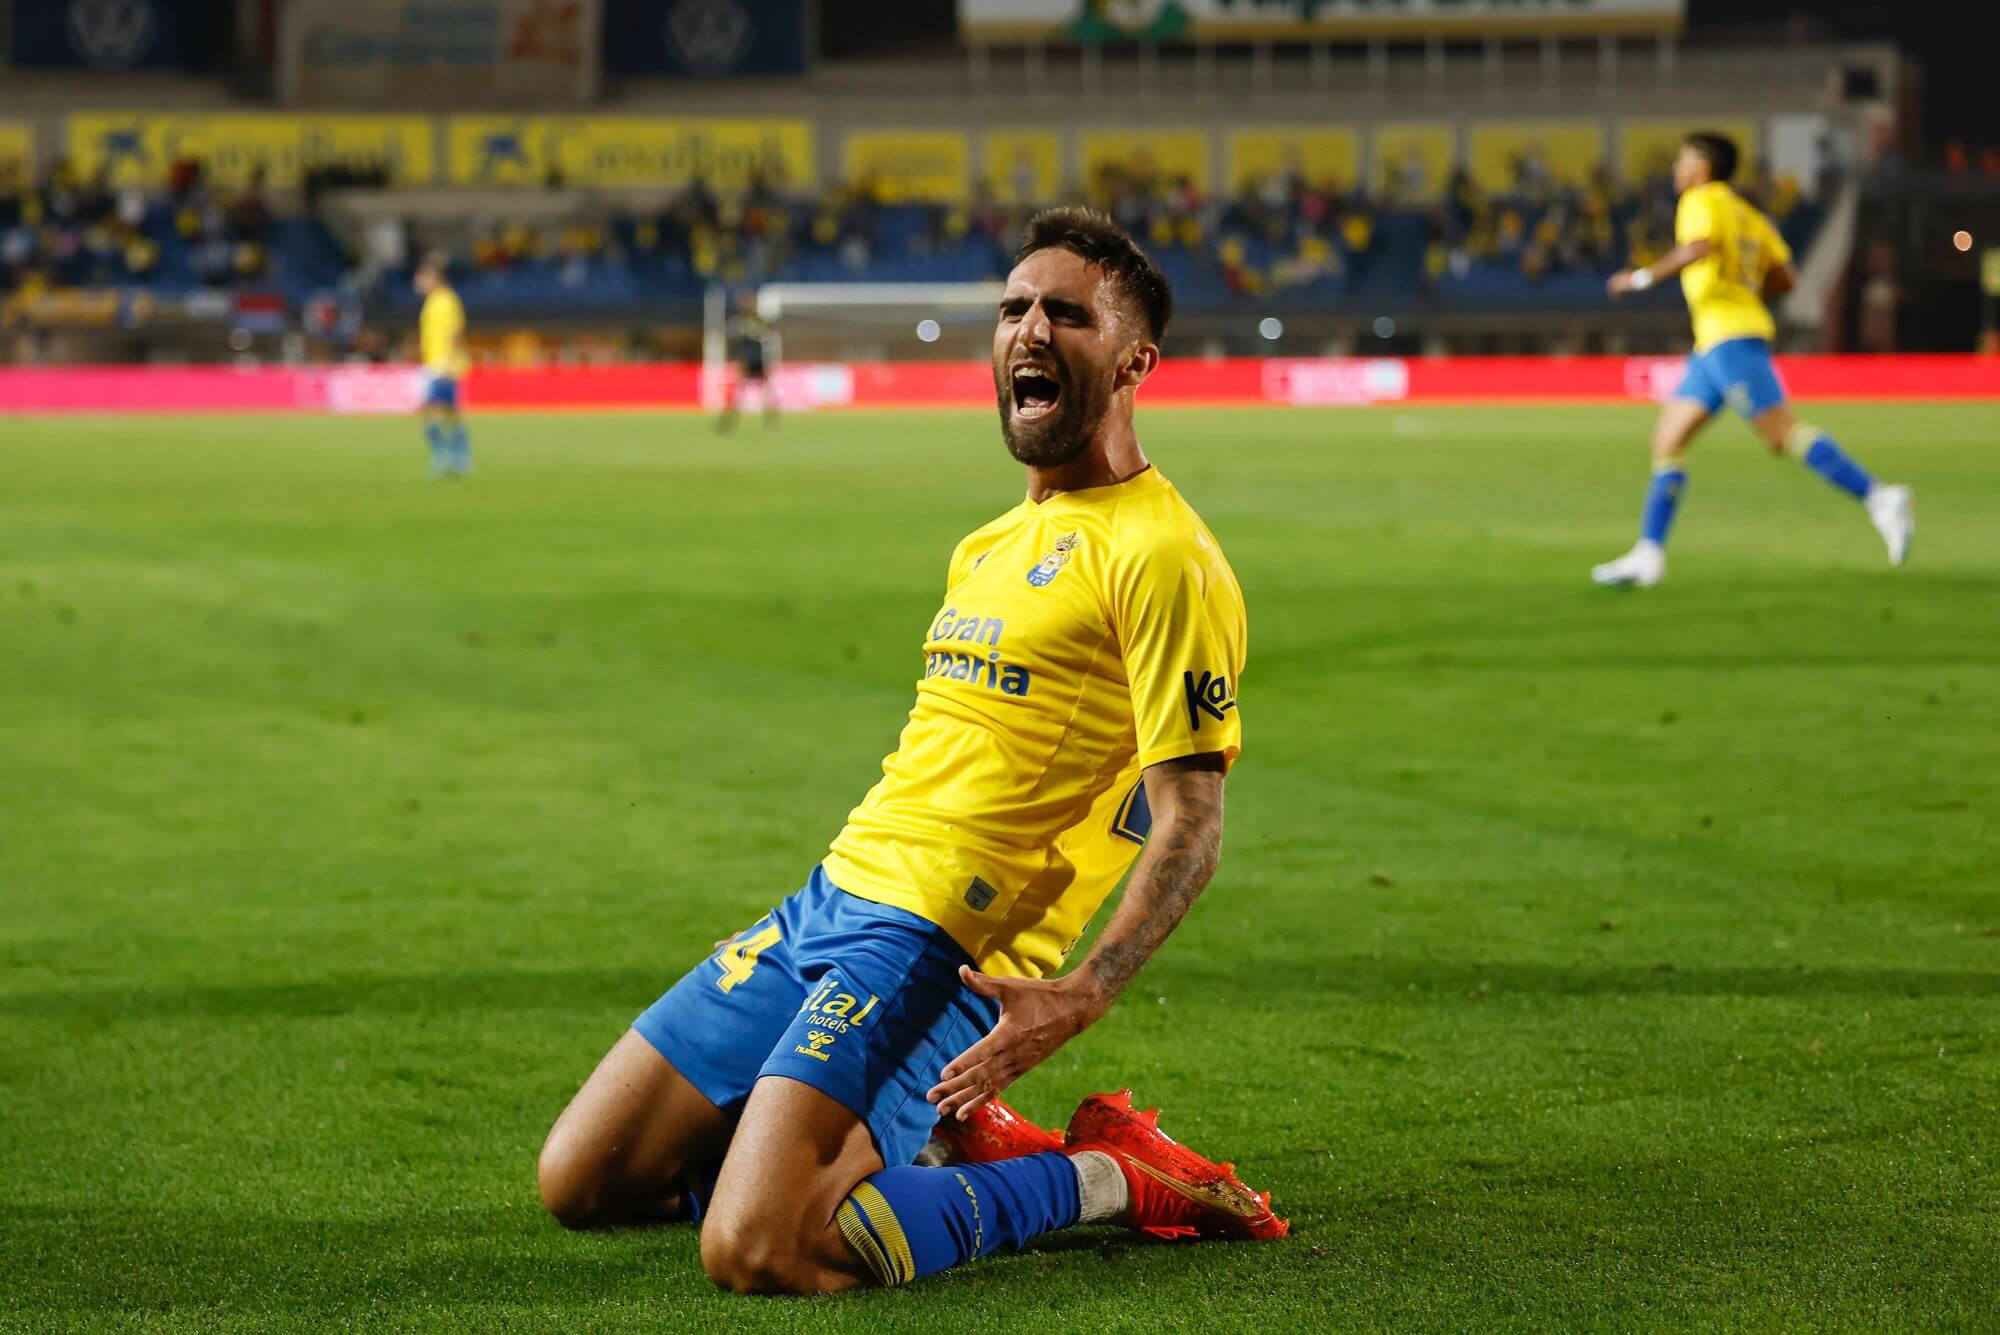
x: 1718, y: 150
x: 1097, y: 240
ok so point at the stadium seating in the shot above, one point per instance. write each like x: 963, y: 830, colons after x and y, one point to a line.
x: 1219, y: 254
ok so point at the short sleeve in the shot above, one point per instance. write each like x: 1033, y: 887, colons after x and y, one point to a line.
x: 1694, y: 219
x: 1178, y: 619
x: 960, y: 564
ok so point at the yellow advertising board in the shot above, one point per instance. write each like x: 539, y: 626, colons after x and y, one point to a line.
x: 908, y: 164
x: 1568, y: 150
x: 627, y: 151
x: 1647, y: 148
x: 17, y: 150
x: 140, y: 147
x: 1164, y: 154
x: 1322, y: 156
x: 1023, y: 166
x: 1413, y: 161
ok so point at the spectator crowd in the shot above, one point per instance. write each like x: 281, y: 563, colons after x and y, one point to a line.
x: 70, y: 230
x: 1276, y: 232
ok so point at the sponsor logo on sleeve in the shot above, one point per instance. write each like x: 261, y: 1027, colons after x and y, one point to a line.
x: 1208, y: 696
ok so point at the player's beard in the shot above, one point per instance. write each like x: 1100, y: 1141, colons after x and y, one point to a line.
x: 1061, y: 435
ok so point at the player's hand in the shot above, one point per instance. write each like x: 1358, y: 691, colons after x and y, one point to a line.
x: 1037, y: 1016
x: 1619, y: 283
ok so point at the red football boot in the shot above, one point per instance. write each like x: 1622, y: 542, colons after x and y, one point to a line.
x: 1175, y: 1192
x: 994, y: 1131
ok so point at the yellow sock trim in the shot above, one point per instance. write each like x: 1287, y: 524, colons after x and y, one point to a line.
x: 889, y: 1229
x: 863, y: 1242
x: 1803, y: 434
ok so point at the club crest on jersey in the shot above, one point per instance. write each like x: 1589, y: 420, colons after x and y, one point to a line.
x: 1052, y: 564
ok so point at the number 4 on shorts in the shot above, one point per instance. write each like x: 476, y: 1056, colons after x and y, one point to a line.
x: 738, y: 958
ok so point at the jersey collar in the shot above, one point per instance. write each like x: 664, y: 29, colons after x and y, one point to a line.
x: 1143, y: 480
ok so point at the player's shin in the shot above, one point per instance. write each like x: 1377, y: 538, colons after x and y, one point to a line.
x: 1819, y: 452
x: 907, y: 1222
x: 1663, y: 498
x: 434, y: 436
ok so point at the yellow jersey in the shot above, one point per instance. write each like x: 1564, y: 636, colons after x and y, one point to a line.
x: 1724, y: 289
x: 1080, y: 640
x: 440, y: 327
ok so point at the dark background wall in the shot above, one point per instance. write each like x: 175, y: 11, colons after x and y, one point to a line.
x: 1951, y: 39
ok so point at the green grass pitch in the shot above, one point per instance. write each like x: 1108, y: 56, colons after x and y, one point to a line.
x: 1577, y: 959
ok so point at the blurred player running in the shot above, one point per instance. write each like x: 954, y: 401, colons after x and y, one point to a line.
x: 441, y: 339
x: 1731, y: 261
x: 1078, y: 702
x: 750, y: 354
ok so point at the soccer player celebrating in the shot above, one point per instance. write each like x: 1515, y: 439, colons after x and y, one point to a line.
x: 441, y: 340
x: 1078, y: 702
x: 1731, y: 260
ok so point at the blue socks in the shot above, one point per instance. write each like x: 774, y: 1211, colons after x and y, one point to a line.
x: 907, y: 1222
x: 1814, y: 447
x: 451, y: 450
x: 1663, y: 497
x: 1832, y: 463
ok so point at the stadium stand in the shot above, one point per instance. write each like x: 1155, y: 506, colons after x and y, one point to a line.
x: 1328, y: 186
x: 1286, y: 241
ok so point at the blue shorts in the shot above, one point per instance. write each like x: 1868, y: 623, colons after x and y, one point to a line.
x: 1737, y: 372
x: 441, y: 392
x: 859, y: 1000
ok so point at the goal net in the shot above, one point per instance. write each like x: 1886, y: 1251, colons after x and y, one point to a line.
x: 815, y: 333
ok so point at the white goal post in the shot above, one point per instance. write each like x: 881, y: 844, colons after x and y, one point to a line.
x: 821, y: 323
x: 876, y: 301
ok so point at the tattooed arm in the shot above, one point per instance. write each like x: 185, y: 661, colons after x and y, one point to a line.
x: 1185, y: 797
x: 1039, y: 1015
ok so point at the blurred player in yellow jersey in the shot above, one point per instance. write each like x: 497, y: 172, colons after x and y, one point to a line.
x: 441, y: 340
x: 1731, y: 261
x: 1076, y: 715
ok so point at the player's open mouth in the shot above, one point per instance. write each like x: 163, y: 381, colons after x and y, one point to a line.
x: 1035, y: 392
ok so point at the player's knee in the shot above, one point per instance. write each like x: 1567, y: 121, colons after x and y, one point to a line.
x: 751, y: 1260
x: 571, y: 1181
x: 1669, y: 454
x: 1786, y: 437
